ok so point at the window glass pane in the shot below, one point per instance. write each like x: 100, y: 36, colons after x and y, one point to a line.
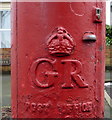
x: 111, y: 8
x: 5, y: 39
x: 5, y: 19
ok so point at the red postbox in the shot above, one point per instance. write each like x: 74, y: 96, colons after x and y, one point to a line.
x: 58, y: 59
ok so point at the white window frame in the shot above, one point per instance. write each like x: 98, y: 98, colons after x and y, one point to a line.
x: 2, y: 30
x: 5, y: 0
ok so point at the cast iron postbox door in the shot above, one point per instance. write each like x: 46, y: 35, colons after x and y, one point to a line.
x: 58, y: 59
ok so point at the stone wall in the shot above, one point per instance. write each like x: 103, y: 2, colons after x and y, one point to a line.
x: 5, y: 60
x: 109, y: 56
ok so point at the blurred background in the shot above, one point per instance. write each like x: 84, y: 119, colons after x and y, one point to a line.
x: 5, y: 49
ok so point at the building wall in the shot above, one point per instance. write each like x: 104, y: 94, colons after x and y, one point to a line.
x: 5, y: 60
x: 5, y: 31
x: 109, y: 55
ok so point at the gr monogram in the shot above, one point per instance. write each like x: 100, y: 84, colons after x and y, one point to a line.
x: 70, y: 71
x: 45, y: 72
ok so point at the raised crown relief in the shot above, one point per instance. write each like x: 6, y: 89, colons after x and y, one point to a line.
x: 60, y: 43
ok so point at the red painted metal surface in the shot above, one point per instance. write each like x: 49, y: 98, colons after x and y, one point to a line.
x: 58, y: 60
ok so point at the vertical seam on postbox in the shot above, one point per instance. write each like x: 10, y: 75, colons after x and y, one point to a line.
x: 17, y: 52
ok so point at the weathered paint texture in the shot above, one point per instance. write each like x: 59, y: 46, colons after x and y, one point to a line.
x: 58, y: 59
